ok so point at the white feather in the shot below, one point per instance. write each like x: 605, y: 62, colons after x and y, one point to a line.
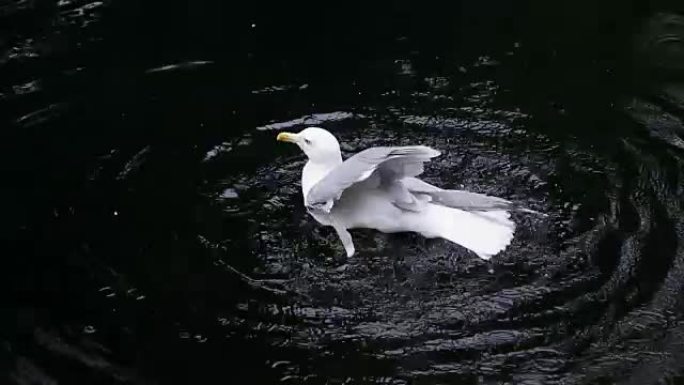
x: 486, y: 234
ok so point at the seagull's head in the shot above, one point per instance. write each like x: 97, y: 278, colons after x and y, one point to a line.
x: 318, y: 144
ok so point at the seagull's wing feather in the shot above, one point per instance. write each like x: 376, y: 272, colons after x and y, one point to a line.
x: 389, y: 164
x: 469, y: 201
x: 461, y: 199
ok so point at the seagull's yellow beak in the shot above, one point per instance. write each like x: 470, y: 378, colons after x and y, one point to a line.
x: 287, y: 137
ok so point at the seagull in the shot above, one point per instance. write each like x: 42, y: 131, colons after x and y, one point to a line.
x: 378, y: 188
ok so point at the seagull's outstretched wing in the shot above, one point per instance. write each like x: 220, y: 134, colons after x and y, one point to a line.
x: 461, y: 199
x: 389, y: 164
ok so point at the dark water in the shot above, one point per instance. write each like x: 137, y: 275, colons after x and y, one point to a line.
x: 153, y: 230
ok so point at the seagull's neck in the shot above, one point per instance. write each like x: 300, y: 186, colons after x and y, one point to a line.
x: 315, y: 171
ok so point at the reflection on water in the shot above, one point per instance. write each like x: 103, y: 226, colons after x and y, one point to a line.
x: 154, y: 230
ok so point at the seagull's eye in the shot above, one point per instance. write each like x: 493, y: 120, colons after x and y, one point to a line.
x: 307, y: 141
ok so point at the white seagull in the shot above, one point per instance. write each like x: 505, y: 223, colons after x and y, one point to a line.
x: 377, y: 188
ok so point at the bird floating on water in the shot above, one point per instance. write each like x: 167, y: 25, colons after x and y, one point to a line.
x: 378, y: 189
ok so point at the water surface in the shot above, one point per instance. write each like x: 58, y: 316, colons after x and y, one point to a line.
x: 154, y: 230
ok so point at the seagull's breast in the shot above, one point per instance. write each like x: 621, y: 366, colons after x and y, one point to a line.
x: 312, y: 174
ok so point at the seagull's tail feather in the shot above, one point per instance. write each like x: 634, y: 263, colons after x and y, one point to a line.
x: 485, y: 233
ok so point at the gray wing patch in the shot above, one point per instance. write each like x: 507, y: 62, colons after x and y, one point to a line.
x: 418, y: 186
x: 470, y: 201
x: 463, y: 200
x: 390, y: 163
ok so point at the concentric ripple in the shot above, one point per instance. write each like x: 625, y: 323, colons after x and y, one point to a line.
x: 158, y: 235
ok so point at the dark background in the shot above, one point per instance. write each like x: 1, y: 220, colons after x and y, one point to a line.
x: 88, y: 130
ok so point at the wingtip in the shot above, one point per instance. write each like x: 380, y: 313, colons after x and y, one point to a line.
x: 529, y: 211
x: 419, y: 151
x: 431, y: 152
